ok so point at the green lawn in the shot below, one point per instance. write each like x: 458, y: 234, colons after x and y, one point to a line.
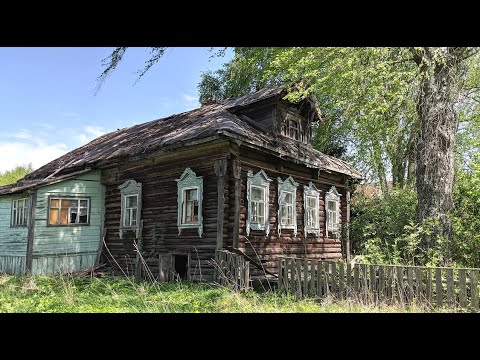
x: 116, y: 294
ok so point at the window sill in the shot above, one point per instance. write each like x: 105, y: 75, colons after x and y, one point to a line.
x: 68, y: 225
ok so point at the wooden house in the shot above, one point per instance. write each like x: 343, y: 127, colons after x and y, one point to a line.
x: 239, y: 175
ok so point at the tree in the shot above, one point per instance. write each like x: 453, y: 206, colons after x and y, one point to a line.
x: 441, y: 77
x: 12, y: 176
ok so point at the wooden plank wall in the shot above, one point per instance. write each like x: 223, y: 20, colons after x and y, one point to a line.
x: 67, y: 248
x: 159, y: 211
x: 13, y: 240
x: 433, y: 287
x: 268, y: 249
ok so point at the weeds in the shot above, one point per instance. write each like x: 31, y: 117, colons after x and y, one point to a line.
x: 117, y: 294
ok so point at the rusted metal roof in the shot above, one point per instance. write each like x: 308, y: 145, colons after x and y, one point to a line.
x: 208, y: 121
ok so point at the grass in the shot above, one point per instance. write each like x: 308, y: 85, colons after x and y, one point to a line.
x: 118, y: 295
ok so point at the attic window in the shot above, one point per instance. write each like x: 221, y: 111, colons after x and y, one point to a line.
x: 293, y: 129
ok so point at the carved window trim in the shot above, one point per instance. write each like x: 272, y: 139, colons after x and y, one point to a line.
x: 289, y: 186
x: 261, y: 180
x: 311, y: 191
x: 129, y: 188
x: 334, y: 196
x: 189, y: 181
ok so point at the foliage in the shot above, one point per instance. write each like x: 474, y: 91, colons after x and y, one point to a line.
x: 465, y: 218
x: 384, y: 229
x: 366, y: 96
x: 12, y: 176
x: 117, y: 294
x: 378, y: 227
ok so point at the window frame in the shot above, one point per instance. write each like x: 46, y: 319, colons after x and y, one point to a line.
x: 26, y: 207
x: 287, y: 186
x: 259, y: 180
x: 189, y: 181
x: 332, y: 196
x: 130, y: 211
x: 297, y: 128
x: 311, y: 191
x: 184, y: 205
x: 68, y: 197
x: 130, y: 188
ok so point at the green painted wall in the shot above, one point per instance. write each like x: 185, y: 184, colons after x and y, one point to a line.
x: 13, y: 240
x: 68, y: 248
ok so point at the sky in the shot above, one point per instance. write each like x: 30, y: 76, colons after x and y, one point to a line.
x: 48, y: 104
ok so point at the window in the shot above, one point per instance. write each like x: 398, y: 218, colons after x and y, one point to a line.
x: 293, y: 129
x: 131, y: 207
x: 332, y: 207
x: 287, y: 215
x: 311, y: 197
x: 68, y: 211
x: 258, y: 186
x: 190, y: 206
x: 258, y: 205
x: 286, y: 208
x: 190, y: 197
x: 19, y: 212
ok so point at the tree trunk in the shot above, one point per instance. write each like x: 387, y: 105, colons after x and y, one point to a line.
x: 436, y: 139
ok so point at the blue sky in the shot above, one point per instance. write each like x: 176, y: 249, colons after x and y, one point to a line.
x: 48, y: 104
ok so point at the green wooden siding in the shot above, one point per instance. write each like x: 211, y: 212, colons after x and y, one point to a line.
x: 13, y: 240
x: 65, y: 249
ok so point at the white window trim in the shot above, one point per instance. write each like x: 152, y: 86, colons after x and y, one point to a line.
x: 260, y: 179
x: 187, y: 181
x: 311, y: 191
x: 287, y: 186
x: 14, y: 219
x: 332, y: 195
x: 60, y: 198
x: 128, y: 188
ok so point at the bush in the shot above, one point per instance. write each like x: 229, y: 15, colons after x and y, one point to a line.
x: 384, y: 229
x: 380, y: 226
x: 466, y: 218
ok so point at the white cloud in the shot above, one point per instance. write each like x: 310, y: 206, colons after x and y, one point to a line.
x: 36, y: 152
x: 90, y: 132
x: 22, y: 134
x: 190, y: 102
x: 189, y: 98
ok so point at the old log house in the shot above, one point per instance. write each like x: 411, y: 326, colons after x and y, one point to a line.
x: 241, y: 174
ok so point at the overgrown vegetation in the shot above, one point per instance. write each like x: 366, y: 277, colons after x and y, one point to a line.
x: 384, y: 228
x: 12, y: 176
x: 117, y: 294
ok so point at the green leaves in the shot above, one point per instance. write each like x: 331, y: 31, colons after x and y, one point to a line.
x: 12, y: 176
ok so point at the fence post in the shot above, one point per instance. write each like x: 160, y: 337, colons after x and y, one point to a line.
x: 280, y: 275
x: 474, y: 288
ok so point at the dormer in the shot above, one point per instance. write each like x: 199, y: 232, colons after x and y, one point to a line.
x: 271, y: 114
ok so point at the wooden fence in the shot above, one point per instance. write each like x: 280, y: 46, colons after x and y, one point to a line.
x: 435, y: 287
x: 232, y: 270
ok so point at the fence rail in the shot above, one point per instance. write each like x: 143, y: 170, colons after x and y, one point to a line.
x: 436, y: 287
x: 232, y: 270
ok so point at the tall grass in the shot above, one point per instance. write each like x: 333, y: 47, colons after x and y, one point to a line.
x: 118, y: 294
